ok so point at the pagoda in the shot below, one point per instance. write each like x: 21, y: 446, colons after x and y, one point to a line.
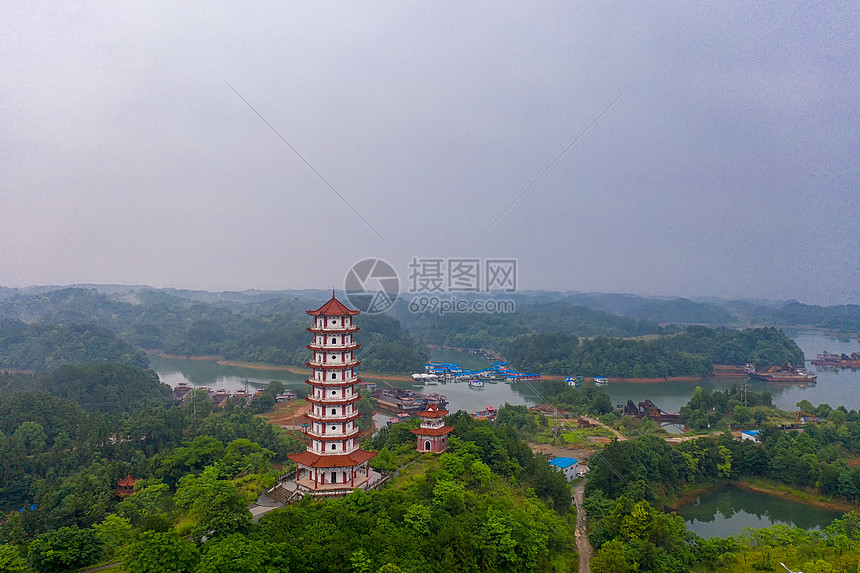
x: 333, y: 464
x: 432, y: 436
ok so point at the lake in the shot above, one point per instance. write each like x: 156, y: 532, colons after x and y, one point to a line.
x: 726, y: 510
x: 835, y: 386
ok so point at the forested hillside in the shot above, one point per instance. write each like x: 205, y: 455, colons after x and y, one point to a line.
x: 487, y: 504
x: 692, y: 352
x: 48, y: 346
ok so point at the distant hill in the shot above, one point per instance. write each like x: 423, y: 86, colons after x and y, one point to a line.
x: 48, y: 346
x: 682, y: 311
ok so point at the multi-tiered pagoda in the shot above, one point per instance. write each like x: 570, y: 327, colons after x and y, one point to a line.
x: 333, y: 461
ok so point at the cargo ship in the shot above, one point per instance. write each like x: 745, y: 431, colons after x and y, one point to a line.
x: 839, y: 360
x: 407, y: 401
x: 786, y: 374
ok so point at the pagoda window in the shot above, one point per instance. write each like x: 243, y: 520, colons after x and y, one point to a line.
x: 334, y: 427
x: 333, y: 392
x: 333, y: 411
x: 334, y: 376
x: 334, y: 341
x: 334, y: 446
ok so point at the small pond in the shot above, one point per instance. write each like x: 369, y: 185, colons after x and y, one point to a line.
x: 726, y: 510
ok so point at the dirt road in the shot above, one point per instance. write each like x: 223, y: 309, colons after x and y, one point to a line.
x: 582, y: 544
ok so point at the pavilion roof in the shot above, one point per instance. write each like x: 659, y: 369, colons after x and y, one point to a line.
x: 443, y: 431
x: 333, y: 308
x: 433, y: 411
x: 127, y: 481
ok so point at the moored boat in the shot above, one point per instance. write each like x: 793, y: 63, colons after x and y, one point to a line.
x: 838, y: 360
x: 408, y: 401
x: 785, y: 374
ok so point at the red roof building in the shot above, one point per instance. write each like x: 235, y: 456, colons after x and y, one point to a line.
x: 432, y: 436
x: 333, y: 461
x: 125, y: 486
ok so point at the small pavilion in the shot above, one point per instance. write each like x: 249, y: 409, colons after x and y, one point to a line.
x: 432, y: 436
x: 125, y: 486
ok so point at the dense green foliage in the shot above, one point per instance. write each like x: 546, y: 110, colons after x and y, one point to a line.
x: 706, y: 410
x: 45, y: 346
x: 489, y: 502
x: 614, y: 357
x: 759, y: 346
x: 681, y: 311
x: 493, y: 330
x: 104, y: 388
x: 271, y: 331
x: 692, y: 352
x: 629, y: 477
x: 589, y: 399
x: 456, y: 514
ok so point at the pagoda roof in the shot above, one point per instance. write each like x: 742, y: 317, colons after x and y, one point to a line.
x: 443, y: 431
x: 311, y: 459
x: 433, y: 411
x: 127, y: 481
x: 333, y: 308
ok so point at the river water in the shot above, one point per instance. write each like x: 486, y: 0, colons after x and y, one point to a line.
x: 835, y: 386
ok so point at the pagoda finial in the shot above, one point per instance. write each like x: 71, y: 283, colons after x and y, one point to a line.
x: 332, y: 292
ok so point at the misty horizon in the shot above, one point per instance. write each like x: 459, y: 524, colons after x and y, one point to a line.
x: 664, y: 150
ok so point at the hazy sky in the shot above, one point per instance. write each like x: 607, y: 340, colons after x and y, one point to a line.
x: 729, y: 168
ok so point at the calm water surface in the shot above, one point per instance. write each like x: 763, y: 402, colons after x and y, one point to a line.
x: 835, y: 386
x: 727, y: 510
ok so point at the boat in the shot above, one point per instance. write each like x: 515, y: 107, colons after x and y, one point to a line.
x: 785, y: 374
x: 838, y: 360
x: 476, y: 383
x: 600, y: 381
x: 408, y: 401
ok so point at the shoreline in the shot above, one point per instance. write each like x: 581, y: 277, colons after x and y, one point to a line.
x: 831, y: 505
x: 620, y: 379
x: 688, y: 495
x: 298, y: 371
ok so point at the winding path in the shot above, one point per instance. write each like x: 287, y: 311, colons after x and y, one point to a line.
x: 583, y: 546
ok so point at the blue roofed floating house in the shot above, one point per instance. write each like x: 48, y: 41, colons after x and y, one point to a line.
x: 454, y: 371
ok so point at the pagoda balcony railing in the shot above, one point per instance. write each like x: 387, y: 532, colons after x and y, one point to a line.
x: 331, y: 435
x: 333, y: 365
x: 332, y: 329
x: 333, y: 347
x: 333, y: 418
x: 333, y: 383
x: 333, y: 400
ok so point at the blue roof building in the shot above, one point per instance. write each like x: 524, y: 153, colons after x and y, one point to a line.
x: 565, y: 465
